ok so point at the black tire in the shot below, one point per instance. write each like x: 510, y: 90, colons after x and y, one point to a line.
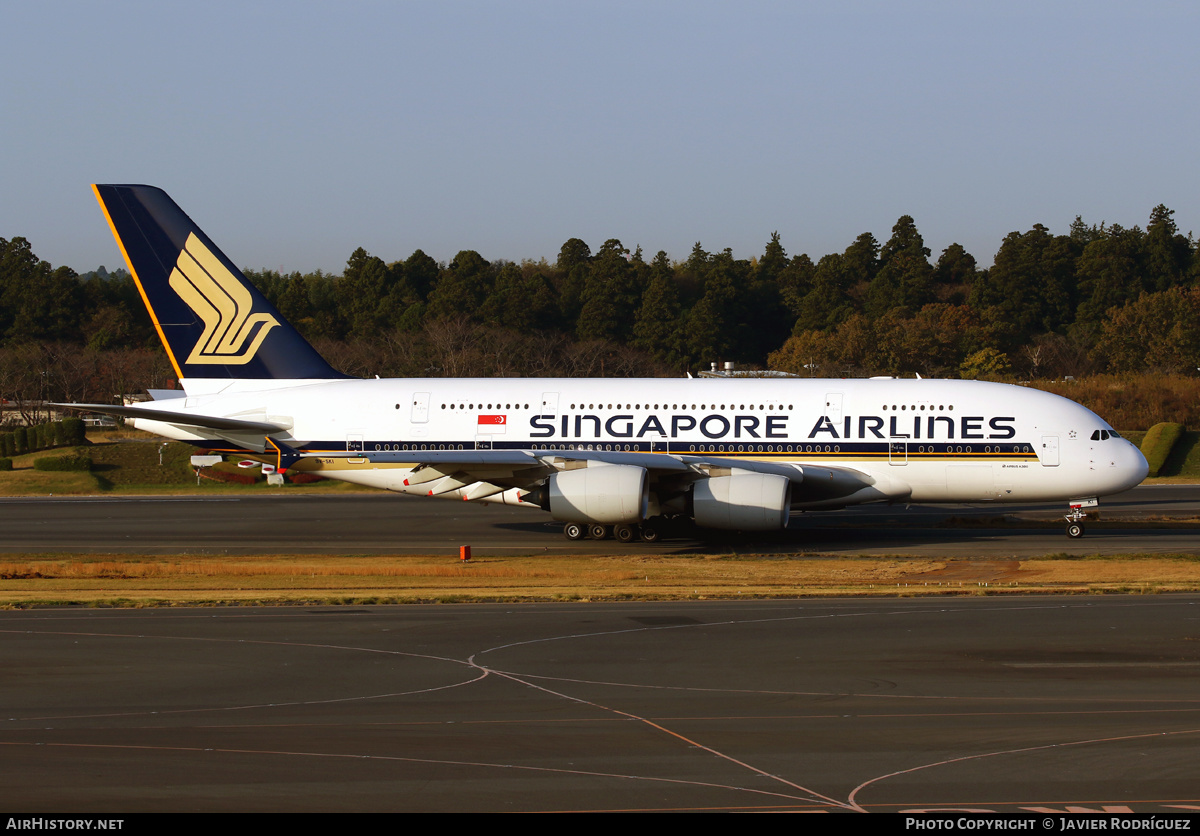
x: 1075, y: 530
x: 625, y: 533
x: 651, y: 533
x: 598, y: 532
x: 574, y: 531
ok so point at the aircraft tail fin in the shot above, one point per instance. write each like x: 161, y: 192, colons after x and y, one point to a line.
x: 212, y: 321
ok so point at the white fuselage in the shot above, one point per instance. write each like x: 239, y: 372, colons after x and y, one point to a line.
x: 922, y: 440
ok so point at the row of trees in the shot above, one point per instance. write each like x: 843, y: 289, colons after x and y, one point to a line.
x: 1045, y: 304
x: 1101, y: 297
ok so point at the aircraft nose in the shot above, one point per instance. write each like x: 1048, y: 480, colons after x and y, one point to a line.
x: 1133, y: 465
x: 1140, y: 465
x: 1123, y: 467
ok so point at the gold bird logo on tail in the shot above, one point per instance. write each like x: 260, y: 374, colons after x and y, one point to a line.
x: 224, y: 305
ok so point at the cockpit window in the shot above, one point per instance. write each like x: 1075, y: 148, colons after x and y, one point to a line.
x: 1095, y: 435
x: 1103, y: 435
x: 1114, y: 433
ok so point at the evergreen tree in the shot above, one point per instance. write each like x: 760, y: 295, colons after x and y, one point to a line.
x: 422, y: 273
x: 1082, y: 234
x: 574, y: 266
x: 905, y: 278
x: 542, y: 300
x: 828, y: 303
x: 691, y: 275
x: 1109, y: 272
x: 573, y: 253
x: 370, y: 294
x: 462, y: 287
x: 1168, y: 254
x: 657, y: 327
x: 37, y: 301
x: 773, y: 262
x: 506, y: 305
x: 710, y: 326
x: 795, y: 281
x: 859, y: 266
x: 1031, y: 286
x: 954, y: 274
x: 611, y: 296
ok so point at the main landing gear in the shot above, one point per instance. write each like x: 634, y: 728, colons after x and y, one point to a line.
x: 649, y: 532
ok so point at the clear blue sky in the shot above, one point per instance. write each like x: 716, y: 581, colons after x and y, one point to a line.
x: 295, y: 132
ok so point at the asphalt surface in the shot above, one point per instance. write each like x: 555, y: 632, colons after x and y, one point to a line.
x: 393, y: 524
x: 1016, y: 704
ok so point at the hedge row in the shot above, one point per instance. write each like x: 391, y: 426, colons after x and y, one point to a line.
x: 71, y: 461
x: 69, y: 432
x: 1158, y: 443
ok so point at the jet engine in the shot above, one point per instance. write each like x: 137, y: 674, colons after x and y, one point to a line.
x: 743, y: 500
x: 608, y: 494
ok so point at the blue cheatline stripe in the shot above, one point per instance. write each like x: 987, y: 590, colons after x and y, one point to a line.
x: 841, y: 450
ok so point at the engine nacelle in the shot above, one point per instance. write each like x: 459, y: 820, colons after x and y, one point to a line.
x: 743, y: 500
x: 608, y: 494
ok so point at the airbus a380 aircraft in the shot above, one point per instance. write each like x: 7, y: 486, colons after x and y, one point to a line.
x: 604, y: 456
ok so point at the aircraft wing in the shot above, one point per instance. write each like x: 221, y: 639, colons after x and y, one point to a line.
x: 816, y: 485
x: 179, y: 419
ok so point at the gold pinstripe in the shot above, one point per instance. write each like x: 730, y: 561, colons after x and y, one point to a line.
x: 137, y: 281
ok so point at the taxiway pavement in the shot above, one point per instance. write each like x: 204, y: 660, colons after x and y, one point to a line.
x: 392, y: 524
x: 1013, y: 704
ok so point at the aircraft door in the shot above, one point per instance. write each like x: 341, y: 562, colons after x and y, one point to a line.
x: 1049, y: 451
x: 550, y: 403
x: 898, y: 452
x: 420, y: 408
x: 833, y: 407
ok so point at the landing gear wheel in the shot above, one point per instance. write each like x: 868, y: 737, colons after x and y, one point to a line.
x: 651, y: 534
x: 1077, y: 516
x: 574, y: 531
x: 598, y: 532
x: 625, y: 533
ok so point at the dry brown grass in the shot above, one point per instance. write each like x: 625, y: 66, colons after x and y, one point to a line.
x: 194, y: 580
x: 1134, y: 401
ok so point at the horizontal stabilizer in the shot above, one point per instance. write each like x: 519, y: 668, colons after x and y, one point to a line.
x: 179, y: 419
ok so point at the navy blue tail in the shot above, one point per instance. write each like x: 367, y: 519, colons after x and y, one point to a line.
x: 212, y: 321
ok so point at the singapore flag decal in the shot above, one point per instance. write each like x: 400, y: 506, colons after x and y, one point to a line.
x: 491, y: 424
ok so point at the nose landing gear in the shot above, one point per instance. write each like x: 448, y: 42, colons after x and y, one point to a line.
x: 1075, y: 519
